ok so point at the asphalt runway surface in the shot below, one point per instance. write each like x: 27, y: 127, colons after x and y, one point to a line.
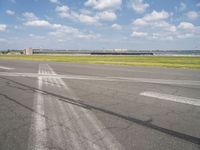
x: 71, y: 106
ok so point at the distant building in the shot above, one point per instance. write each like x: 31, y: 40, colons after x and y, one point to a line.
x: 28, y: 51
x: 120, y: 50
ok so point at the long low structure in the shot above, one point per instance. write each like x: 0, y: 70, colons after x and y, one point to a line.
x: 122, y: 53
x: 37, y: 51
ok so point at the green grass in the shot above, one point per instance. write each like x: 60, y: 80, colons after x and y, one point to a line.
x: 158, y: 61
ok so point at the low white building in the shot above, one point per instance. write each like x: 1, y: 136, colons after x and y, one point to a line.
x: 28, y: 51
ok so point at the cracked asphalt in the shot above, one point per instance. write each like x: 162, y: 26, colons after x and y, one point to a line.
x: 56, y: 113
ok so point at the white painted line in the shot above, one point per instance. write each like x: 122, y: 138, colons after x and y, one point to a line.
x: 81, y: 114
x: 174, y: 98
x: 160, y: 81
x: 55, y: 131
x: 72, y: 135
x: 64, y: 117
x: 39, y: 122
x: 6, y: 68
x: 110, y: 79
x: 108, y: 139
x: 84, y: 130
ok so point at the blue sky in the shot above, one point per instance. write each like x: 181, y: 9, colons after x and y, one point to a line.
x: 100, y: 24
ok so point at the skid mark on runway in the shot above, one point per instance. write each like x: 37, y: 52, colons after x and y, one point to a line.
x: 86, y: 131
x: 174, y: 98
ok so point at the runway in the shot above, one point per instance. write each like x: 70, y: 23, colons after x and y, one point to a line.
x: 72, y: 106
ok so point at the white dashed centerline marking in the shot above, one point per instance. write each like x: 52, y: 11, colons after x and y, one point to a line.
x: 174, y: 98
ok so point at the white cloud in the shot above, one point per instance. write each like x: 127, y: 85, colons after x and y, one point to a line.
x: 186, y: 26
x: 155, y: 36
x: 139, y: 34
x: 3, y: 40
x: 153, y: 22
x: 63, y: 31
x: 187, y: 30
x: 161, y: 32
x: 36, y: 36
x: 58, y: 30
x: 29, y: 16
x: 90, y: 3
x: 172, y: 28
x: 139, y: 22
x: 185, y: 35
x: 94, y: 20
x: 151, y: 18
x: 160, y: 36
x: 104, y: 4
x: 10, y: 12
x: 85, y: 16
x: 86, y: 36
x: 17, y: 27
x: 55, y: 1
x: 198, y: 4
x: 155, y: 16
x: 38, y: 23
x: 57, y: 26
x: 63, y: 11
x: 116, y: 26
x: 85, y: 11
x: 62, y: 8
x: 13, y: 1
x: 3, y: 27
x: 182, y: 6
x: 192, y: 15
x: 87, y: 19
x: 156, y: 27
x: 164, y: 25
x: 139, y: 6
x: 107, y: 16
x: 32, y: 20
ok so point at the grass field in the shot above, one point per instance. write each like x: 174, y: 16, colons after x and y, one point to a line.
x: 157, y: 61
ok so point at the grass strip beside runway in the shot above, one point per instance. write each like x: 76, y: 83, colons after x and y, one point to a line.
x: 156, y: 61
